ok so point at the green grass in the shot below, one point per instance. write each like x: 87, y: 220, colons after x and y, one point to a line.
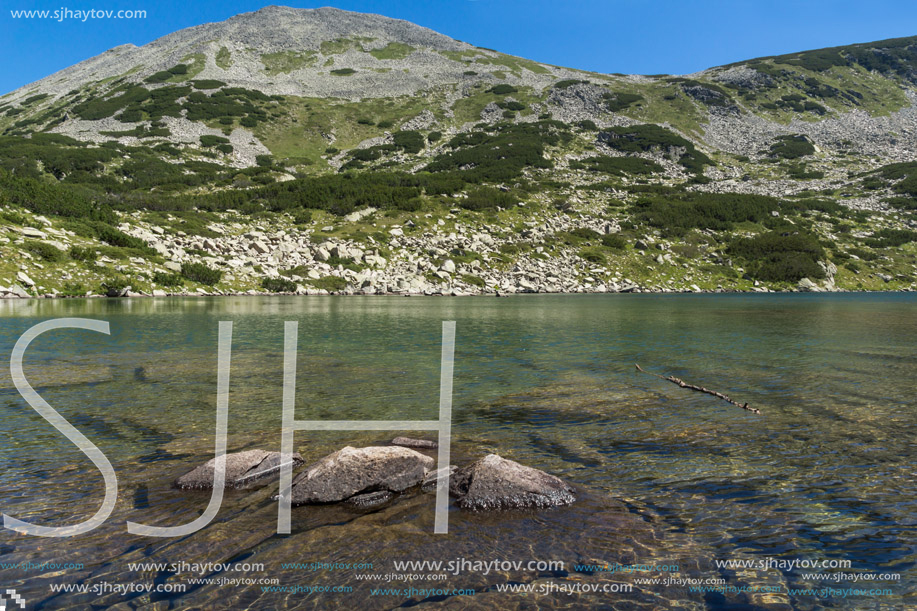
x: 514, y: 64
x: 285, y: 62
x: 299, y: 131
x: 393, y: 50
x: 342, y: 45
x: 224, y: 58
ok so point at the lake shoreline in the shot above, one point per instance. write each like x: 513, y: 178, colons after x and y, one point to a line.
x: 321, y: 293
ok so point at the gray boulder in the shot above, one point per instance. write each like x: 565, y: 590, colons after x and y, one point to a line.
x: 352, y: 471
x: 242, y: 469
x: 497, y: 483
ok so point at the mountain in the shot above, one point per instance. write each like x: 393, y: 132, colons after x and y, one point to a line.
x: 313, y: 150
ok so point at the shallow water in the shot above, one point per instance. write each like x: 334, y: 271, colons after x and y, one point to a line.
x: 665, y: 476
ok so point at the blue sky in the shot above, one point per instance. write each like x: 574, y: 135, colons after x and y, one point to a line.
x: 631, y: 36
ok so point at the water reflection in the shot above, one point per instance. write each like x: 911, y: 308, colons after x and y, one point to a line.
x: 665, y: 475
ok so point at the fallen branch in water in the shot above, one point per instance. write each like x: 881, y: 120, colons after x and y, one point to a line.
x: 684, y: 384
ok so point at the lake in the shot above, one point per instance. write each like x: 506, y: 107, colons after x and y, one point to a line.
x: 686, y: 486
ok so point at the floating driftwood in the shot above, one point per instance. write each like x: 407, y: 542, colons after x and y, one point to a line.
x: 684, y: 384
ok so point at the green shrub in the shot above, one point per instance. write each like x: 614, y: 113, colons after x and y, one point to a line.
x: 167, y: 279
x: 902, y: 203
x: 208, y: 84
x: 278, y: 285
x: 481, y: 156
x: 132, y: 115
x: 409, y: 141
x: 14, y: 217
x: 209, y: 140
x: 343, y: 72
x: 158, y: 77
x: 302, y: 217
x: 115, y: 237
x: 44, y: 251
x: 116, y: 283
x: 676, y: 212
x: 585, y: 233
x: 502, y: 89
x: 906, y: 175
x: 434, y: 136
x: 614, y: 240
x: 791, y: 147
x: 100, y: 108
x: 80, y: 253
x: 73, y: 289
x: 650, y: 137
x: 264, y: 161
x: 568, y: 83
x: 891, y: 238
x: 593, y: 256
x: 385, y: 124
x: 618, y: 101
x: 484, y: 198
x: 811, y: 203
x: 618, y: 166
x: 865, y: 255
x: 780, y: 257
x: 200, y: 273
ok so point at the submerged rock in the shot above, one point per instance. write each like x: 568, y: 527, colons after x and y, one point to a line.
x: 371, y: 499
x: 242, y: 469
x: 431, y: 481
x: 497, y: 483
x: 352, y: 471
x: 410, y: 442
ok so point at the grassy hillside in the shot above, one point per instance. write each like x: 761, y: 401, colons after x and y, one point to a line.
x: 497, y: 173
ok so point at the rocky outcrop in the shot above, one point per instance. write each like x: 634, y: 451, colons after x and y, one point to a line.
x: 243, y: 469
x: 494, y: 483
x: 358, y: 471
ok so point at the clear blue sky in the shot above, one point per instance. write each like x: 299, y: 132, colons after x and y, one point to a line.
x: 631, y: 36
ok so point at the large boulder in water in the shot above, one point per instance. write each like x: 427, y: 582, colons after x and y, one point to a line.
x: 351, y: 471
x: 242, y: 469
x: 497, y: 483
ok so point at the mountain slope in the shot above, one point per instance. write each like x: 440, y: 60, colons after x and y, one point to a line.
x: 261, y: 145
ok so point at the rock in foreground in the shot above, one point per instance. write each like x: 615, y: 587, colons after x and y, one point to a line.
x: 351, y: 471
x: 242, y: 469
x: 497, y: 483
